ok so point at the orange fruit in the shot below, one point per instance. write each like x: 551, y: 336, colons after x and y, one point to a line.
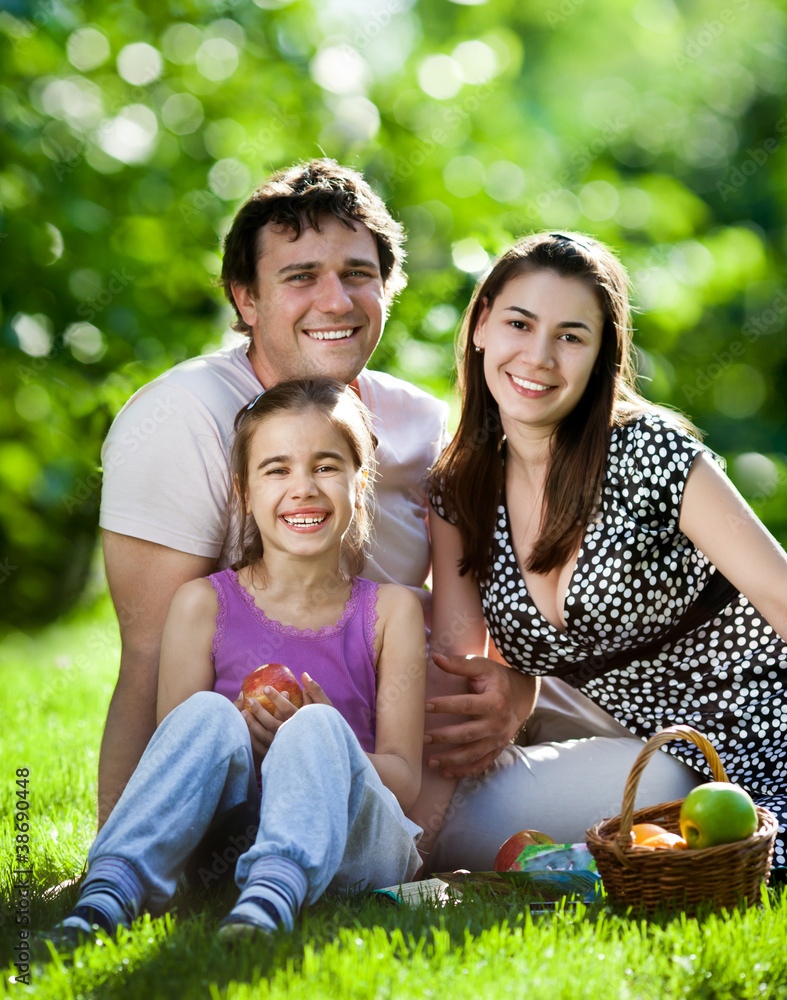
x: 665, y: 839
x: 641, y: 832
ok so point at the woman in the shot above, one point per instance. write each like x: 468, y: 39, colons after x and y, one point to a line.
x: 594, y: 536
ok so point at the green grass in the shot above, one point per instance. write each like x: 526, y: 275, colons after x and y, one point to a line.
x: 53, y: 696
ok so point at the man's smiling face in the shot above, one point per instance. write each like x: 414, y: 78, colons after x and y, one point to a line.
x: 319, y: 306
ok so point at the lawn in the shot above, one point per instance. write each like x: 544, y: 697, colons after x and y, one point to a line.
x: 53, y: 698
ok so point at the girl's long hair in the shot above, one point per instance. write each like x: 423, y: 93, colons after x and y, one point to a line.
x: 469, y: 476
x: 342, y: 408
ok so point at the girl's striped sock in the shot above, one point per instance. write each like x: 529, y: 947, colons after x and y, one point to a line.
x: 273, y: 895
x: 111, y: 895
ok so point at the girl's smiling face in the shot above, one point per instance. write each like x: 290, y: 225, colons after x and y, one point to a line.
x: 541, y: 337
x: 303, y: 486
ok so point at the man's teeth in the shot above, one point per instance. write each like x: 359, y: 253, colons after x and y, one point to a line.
x: 330, y: 334
x: 305, y: 520
x: 535, y: 386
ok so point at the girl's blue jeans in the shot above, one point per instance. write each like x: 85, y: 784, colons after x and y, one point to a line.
x: 322, y: 806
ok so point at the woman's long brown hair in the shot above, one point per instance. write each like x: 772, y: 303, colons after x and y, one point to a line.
x: 469, y: 477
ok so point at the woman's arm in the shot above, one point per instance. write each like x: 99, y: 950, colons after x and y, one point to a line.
x: 475, y: 702
x: 716, y: 518
x: 185, y: 665
x: 457, y: 627
x: 401, y: 669
x: 458, y: 630
x: 488, y: 699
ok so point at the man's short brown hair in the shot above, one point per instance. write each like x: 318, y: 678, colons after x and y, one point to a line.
x: 299, y: 196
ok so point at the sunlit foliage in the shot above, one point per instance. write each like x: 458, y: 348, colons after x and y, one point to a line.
x: 131, y: 132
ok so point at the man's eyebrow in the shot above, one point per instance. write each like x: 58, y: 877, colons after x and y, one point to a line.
x: 561, y: 326
x: 315, y: 265
x: 363, y: 262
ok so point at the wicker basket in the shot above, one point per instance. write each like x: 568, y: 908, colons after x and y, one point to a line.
x: 650, y: 878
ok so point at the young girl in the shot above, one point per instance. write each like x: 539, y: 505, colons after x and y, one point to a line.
x: 600, y: 543
x: 326, y: 783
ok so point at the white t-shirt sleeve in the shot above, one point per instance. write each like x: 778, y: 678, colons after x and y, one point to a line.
x: 411, y: 427
x: 165, y: 472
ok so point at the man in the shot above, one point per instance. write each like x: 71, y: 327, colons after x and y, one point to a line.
x: 311, y: 265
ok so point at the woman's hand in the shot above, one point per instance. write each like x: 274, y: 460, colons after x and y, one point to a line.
x: 263, y: 725
x: 497, y: 703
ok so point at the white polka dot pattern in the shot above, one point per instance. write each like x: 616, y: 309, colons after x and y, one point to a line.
x: 636, y: 575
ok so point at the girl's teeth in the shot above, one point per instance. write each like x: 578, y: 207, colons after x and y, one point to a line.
x: 304, y: 520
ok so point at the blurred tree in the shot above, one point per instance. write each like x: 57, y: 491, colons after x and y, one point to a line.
x: 131, y: 132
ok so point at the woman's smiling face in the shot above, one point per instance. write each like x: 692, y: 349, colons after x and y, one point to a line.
x: 541, y: 338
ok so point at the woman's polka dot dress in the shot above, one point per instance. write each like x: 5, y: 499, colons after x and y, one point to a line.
x: 635, y: 577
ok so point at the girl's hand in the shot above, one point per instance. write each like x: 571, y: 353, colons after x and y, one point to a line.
x: 262, y: 724
x: 313, y: 694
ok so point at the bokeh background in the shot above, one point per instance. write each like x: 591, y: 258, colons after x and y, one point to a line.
x: 131, y: 133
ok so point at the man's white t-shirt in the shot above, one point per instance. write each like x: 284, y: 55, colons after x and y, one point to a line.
x: 166, y: 475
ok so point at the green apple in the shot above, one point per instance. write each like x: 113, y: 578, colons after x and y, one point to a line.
x: 717, y: 813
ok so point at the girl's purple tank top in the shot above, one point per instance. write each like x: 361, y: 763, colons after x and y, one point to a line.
x: 339, y: 657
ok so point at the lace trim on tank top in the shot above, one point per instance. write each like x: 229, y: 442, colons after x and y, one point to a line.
x: 370, y: 619
x: 221, y: 617
x: 291, y: 630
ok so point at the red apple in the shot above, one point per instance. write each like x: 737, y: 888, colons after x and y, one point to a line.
x: 507, y: 859
x: 274, y: 675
